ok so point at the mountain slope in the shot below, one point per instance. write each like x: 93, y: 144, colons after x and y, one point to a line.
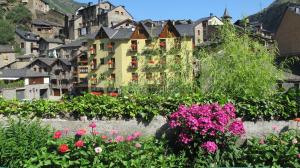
x: 65, y: 6
x: 270, y: 16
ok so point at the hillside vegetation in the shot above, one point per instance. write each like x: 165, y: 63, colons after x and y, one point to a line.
x: 65, y: 6
x: 270, y: 16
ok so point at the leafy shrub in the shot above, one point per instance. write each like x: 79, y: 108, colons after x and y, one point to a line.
x: 274, y: 150
x: 103, y: 151
x: 209, y: 126
x: 6, y: 32
x: 19, y: 141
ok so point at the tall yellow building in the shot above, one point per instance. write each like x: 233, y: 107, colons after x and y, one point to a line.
x: 147, y: 55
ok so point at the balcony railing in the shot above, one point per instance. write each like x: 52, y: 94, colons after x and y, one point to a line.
x: 16, y: 84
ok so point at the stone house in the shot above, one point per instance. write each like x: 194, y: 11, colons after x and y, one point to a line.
x: 7, y: 55
x: 288, y: 32
x: 46, y: 44
x: 102, y: 14
x: 60, y: 71
x: 46, y: 29
x: 203, y: 28
x: 28, y: 42
x: 75, y: 27
x: 24, y: 84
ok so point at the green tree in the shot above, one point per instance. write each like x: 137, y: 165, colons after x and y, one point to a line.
x: 239, y: 66
x: 7, y: 32
x: 19, y: 15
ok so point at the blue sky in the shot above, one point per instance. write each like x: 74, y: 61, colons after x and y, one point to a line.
x: 188, y: 9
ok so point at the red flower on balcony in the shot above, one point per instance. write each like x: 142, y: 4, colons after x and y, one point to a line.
x: 135, y: 78
x: 151, y: 62
x: 109, y: 46
x: 92, y: 49
x: 113, y: 94
x: 110, y: 62
x: 133, y: 46
x: 297, y: 119
x: 162, y: 44
x: 133, y: 62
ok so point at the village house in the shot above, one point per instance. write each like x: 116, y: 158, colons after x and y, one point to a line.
x: 75, y: 24
x: 24, y: 84
x: 112, y: 60
x: 7, y: 55
x: 46, y: 29
x: 28, y: 42
x: 204, y: 27
x: 288, y: 32
x: 60, y: 72
x: 46, y: 44
x: 102, y: 14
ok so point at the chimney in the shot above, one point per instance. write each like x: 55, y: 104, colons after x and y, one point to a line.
x: 90, y: 3
x: 211, y: 14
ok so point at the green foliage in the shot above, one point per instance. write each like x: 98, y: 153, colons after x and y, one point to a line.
x: 19, y: 15
x: 273, y: 150
x: 7, y: 32
x: 19, y: 141
x: 282, y: 106
x: 12, y: 85
x: 151, y: 153
x: 239, y: 66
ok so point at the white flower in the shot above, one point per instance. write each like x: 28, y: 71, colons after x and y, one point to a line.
x: 98, y: 150
x: 294, y: 141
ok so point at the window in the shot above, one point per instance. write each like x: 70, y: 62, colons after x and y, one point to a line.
x: 39, y: 29
x: 34, y: 69
x: 40, y: 69
x: 102, y: 61
x: 199, y: 32
x: 117, y: 12
x: 122, y: 13
x: 22, y: 45
x: 148, y: 42
x: 102, y: 46
x: 134, y: 76
x: 149, y: 76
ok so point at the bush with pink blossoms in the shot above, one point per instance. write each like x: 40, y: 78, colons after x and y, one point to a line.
x: 207, y: 126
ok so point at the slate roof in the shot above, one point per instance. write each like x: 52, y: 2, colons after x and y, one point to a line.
x: 65, y: 61
x: 45, y: 23
x: 109, y: 31
x: 20, y: 73
x: 202, y: 20
x: 53, y: 40
x: 185, y: 30
x: 47, y: 61
x: 6, y: 49
x: 28, y: 36
x: 123, y: 34
x: 153, y: 31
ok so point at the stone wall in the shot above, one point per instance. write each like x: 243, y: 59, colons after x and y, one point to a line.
x: 158, y: 126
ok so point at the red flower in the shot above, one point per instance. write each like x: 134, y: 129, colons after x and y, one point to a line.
x: 91, y: 49
x: 133, y: 62
x: 57, y: 134
x: 151, y: 62
x: 297, y: 119
x: 81, y: 132
x: 95, y: 133
x: 109, y: 62
x: 104, y: 137
x: 93, y: 125
x: 162, y: 44
x: 63, y: 148
x: 109, y: 46
x: 133, y: 46
x: 114, y: 94
x: 79, y: 144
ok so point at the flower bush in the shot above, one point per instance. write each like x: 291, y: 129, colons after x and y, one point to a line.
x: 206, y: 126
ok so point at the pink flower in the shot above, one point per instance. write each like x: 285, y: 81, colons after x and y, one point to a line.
x: 63, y: 148
x: 66, y: 130
x: 79, y: 144
x: 184, y: 138
x: 57, y: 135
x: 119, y: 138
x: 210, y: 147
x: 113, y: 132
x: 98, y: 150
x: 104, y: 137
x: 138, y: 145
x: 262, y: 141
x: 93, y: 125
x: 81, y: 132
x: 136, y: 134
x: 130, y: 138
x: 95, y: 133
x: 298, y: 156
x: 237, y: 128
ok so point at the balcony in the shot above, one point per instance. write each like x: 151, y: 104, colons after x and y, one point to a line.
x: 10, y: 85
x: 133, y: 64
x: 133, y: 48
x: 135, y: 79
x: 62, y: 86
x: 163, y: 45
x: 110, y: 49
x: 111, y: 64
x: 92, y: 50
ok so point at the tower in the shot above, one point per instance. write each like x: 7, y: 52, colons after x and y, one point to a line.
x: 226, y: 16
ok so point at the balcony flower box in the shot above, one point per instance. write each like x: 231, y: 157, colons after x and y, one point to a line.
x: 151, y: 62
x: 114, y: 94
x: 133, y: 47
x: 135, y: 79
x: 162, y: 44
x: 110, y: 62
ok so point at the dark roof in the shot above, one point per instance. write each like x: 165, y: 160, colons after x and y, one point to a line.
x: 20, y: 73
x: 45, y: 23
x: 65, y: 61
x: 122, y: 22
x: 226, y: 14
x: 6, y: 49
x: 109, y: 31
x: 53, y: 40
x: 73, y: 44
x: 29, y: 36
x: 26, y: 56
x: 202, y: 20
x: 47, y: 61
x: 153, y: 31
x: 185, y: 30
x: 123, y: 34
